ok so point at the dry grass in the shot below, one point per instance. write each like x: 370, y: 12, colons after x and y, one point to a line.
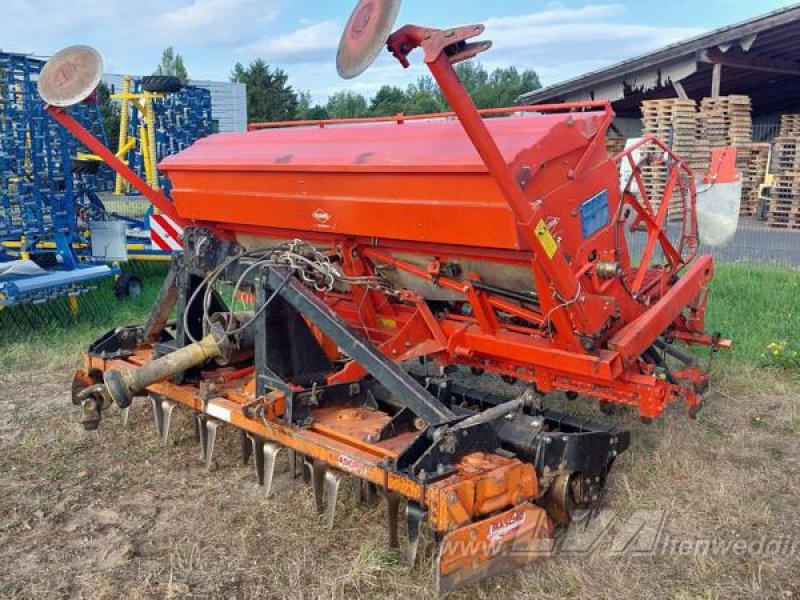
x: 114, y: 514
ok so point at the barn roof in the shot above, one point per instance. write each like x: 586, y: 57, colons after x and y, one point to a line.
x: 757, y: 58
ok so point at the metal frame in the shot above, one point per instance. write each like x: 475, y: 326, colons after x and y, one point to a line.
x: 475, y: 467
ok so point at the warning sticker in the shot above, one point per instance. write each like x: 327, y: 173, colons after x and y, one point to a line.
x: 546, y: 239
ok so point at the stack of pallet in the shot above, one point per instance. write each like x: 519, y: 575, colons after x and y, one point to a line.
x: 784, y: 203
x: 673, y: 120
x: 726, y: 121
x: 615, y: 144
x: 751, y: 159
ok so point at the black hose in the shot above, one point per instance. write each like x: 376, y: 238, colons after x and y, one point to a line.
x: 654, y: 357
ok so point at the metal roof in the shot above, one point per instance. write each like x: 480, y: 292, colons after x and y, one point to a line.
x: 758, y: 58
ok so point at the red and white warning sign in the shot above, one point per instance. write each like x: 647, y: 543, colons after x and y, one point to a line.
x: 165, y: 234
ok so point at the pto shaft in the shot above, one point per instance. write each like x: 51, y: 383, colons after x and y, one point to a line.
x: 122, y: 386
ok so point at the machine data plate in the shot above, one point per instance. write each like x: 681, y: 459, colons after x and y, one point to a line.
x: 594, y: 214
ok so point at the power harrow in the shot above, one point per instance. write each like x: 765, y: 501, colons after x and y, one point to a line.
x: 323, y: 261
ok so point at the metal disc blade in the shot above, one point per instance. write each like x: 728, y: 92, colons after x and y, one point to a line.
x: 365, y: 36
x: 70, y: 76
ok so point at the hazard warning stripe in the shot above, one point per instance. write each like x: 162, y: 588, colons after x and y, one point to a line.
x: 170, y: 228
x: 161, y: 244
x: 165, y: 234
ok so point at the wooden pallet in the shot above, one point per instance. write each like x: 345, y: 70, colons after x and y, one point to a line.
x: 783, y: 208
x: 615, y: 145
x: 783, y: 224
x: 751, y: 160
x: 726, y: 120
x: 790, y: 126
x: 785, y: 155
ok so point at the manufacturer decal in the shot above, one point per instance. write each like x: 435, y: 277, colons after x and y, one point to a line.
x: 320, y: 216
x: 351, y: 465
x: 507, y: 526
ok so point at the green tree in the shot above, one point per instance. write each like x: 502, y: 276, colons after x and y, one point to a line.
x: 172, y: 64
x: 473, y: 75
x: 269, y: 95
x: 423, y: 97
x: 347, y: 105
x: 306, y: 111
x: 109, y: 111
x: 388, y: 101
x: 501, y: 87
x: 506, y: 85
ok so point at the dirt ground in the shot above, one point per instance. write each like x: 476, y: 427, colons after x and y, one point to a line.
x: 113, y: 513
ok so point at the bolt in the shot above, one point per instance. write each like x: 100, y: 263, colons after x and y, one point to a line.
x: 451, y: 499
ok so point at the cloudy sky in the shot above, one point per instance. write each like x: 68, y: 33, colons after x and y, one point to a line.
x: 559, y: 39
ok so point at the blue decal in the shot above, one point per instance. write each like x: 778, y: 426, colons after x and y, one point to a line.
x: 594, y: 214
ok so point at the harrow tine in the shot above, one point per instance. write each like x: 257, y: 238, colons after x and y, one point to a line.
x: 414, y: 517
x: 162, y: 413
x: 269, y: 455
x: 158, y: 416
x: 366, y: 492
x: 124, y: 413
x: 265, y: 454
x: 333, y: 480
x: 257, y: 446
x: 208, y: 438
x: 247, y: 446
x: 318, y: 470
x: 196, y: 421
x: 325, y: 483
x: 392, y: 509
x: 295, y: 458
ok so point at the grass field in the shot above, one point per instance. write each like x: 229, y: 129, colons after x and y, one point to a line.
x: 56, y: 343
x: 113, y: 513
x: 753, y: 306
